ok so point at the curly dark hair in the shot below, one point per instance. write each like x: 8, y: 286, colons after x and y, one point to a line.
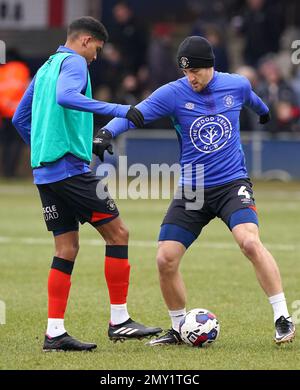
x: 89, y: 25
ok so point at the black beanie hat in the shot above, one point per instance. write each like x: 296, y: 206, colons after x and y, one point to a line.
x: 195, y: 52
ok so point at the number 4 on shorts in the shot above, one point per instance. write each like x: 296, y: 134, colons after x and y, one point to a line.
x: 244, y: 192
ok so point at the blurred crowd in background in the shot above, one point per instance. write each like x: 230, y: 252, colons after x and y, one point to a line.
x: 252, y: 38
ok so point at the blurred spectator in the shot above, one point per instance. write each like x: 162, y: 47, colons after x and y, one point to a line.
x: 161, y: 63
x: 248, y: 119
x: 143, y: 79
x: 250, y: 73
x: 262, y: 24
x: 211, y: 19
x: 273, y: 87
x: 295, y: 82
x: 104, y: 94
x: 112, y: 68
x: 208, y: 11
x: 14, y: 79
x: 214, y: 36
x: 278, y: 95
x: 129, y: 93
x: 287, y: 117
x: 129, y: 37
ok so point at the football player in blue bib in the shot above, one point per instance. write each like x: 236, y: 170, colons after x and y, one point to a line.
x: 55, y: 117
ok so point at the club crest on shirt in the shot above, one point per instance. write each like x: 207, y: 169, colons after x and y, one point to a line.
x: 210, y: 133
x: 228, y: 101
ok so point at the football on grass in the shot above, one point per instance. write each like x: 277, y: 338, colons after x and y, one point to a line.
x: 199, y: 328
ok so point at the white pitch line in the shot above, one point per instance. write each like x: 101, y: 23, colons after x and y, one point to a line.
x: 261, y: 194
x: 142, y: 244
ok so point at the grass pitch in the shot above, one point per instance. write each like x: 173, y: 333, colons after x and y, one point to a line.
x: 216, y: 274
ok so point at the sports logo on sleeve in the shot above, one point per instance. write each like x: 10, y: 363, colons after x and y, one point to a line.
x: 210, y: 133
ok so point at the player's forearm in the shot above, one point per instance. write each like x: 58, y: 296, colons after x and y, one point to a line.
x: 159, y: 104
x: 118, y: 126
x: 23, y: 127
x: 257, y: 105
x: 76, y: 101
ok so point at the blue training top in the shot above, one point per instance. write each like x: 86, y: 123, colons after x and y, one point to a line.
x: 70, y: 88
x: 206, y: 122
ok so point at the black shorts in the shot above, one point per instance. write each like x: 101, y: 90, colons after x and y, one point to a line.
x: 220, y: 201
x: 76, y: 199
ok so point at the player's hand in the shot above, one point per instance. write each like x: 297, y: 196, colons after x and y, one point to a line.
x: 135, y: 116
x: 102, y: 142
x: 264, y: 118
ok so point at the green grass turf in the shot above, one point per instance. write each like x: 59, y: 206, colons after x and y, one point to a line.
x: 216, y: 274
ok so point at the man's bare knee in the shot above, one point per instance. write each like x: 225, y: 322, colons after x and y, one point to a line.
x: 166, y: 263
x: 118, y: 236
x: 251, y: 246
x: 123, y: 233
x: 68, y: 252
